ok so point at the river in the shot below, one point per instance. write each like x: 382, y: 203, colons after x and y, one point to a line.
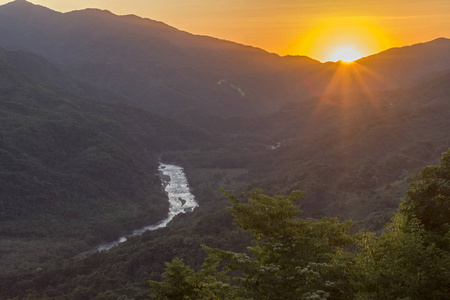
x: 180, y: 199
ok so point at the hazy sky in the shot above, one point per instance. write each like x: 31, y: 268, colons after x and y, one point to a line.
x: 313, y: 28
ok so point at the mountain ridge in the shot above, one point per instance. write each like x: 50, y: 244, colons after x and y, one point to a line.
x: 28, y: 6
x: 157, y: 67
x: 154, y: 66
x: 76, y: 170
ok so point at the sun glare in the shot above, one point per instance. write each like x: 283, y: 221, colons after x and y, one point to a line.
x: 343, y: 38
x: 345, y: 53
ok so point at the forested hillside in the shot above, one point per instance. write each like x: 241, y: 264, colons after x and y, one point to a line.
x: 294, y: 258
x: 353, y: 154
x: 290, y: 257
x: 74, y: 171
x: 91, y: 102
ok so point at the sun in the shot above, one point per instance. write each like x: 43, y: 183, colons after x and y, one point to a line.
x: 346, y: 54
x: 342, y: 38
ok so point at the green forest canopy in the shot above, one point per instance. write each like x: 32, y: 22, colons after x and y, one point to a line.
x: 294, y: 258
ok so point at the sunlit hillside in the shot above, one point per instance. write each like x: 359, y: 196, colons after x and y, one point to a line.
x: 140, y: 161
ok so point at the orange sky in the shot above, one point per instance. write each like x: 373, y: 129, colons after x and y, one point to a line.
x: 314, y: 28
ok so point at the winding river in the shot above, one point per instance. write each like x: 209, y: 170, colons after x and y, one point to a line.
x: 180, y: 197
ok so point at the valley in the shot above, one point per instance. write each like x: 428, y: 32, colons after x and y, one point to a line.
x: 180, y: 199
x: 91, y: 103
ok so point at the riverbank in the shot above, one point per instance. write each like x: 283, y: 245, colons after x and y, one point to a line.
x: 181, y: 200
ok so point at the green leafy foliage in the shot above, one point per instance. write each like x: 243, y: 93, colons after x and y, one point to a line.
x: 288, y: 258
x: 74, y: 173
x: 285, y: 258
x: 428, y: 198
x: 287, y: 250
x: 293, y: 258
x: 399, y: 264
x: 182, y: 282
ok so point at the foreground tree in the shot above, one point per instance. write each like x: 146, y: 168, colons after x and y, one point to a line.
x: 293, y: 258
x: 411, y: 260
x: 181, y: 282
x: 399, y: 264
x: 428, y: 200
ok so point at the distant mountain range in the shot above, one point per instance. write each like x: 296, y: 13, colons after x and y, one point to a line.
x: 149, y: 64
x: 91, y: 101
x: 95, y: 67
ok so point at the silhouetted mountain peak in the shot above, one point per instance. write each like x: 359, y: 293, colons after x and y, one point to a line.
x: 413, y: 49
x: 106, y: 15
x: 95, y: 12
x: 19, y: 2
x: 22, y: 5
x: 300, y: 58
x: 25, y: 13
x: 441, y: 39
x: 163, y: 69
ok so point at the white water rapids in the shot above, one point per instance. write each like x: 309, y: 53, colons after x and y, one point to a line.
x: 180, y: 199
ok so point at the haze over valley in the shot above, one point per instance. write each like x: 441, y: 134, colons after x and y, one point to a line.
x: 93, y: 103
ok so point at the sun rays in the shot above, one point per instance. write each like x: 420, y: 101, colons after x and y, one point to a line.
x: 347, y: 90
